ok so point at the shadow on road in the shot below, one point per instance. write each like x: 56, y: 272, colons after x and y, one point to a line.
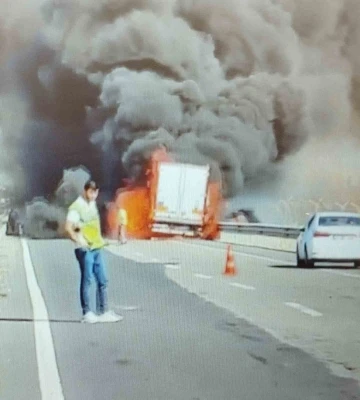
x: 65, y: 321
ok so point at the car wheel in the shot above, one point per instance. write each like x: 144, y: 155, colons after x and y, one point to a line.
x: 308, y: 263
x: 357, y: 264
x: 299, y: 262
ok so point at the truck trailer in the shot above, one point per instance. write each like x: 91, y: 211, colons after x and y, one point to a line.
x: 178, y: 199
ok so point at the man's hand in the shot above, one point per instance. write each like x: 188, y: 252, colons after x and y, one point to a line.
x: 83, y: 246
x: 73, y: 234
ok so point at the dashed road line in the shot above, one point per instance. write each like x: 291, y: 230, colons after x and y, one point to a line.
x: 283, y: 262
x: 128, y: 308
x: 172, y: 266
x: 245, y: 254
x: 49, y: 378
x: 241, y: 286
x: 341, y: 273
x: 201, y: 276
x: 304, y: 309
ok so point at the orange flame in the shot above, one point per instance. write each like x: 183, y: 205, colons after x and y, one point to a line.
x: 139, y: 203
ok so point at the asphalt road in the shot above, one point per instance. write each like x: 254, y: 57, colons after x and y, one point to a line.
x: 316, y: 310
x: 176, y: 343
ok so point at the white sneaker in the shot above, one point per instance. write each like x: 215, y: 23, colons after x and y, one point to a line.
x: 110, y: 316
x: 89, y: 318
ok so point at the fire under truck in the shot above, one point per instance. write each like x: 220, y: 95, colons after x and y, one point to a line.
x: 177, y: 199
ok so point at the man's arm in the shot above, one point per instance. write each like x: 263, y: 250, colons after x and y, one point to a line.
x: 71, y: 232
x: 72, y: 220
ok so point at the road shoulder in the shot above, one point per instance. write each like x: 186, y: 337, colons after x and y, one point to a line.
x: 17, y: 344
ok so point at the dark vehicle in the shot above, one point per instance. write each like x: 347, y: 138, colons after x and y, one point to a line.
x: 243, y: 215
x: 13, y: 225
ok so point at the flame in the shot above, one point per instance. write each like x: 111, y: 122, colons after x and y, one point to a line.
x: 139, y: 203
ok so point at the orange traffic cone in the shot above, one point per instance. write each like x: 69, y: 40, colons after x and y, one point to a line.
x: 230, y: 268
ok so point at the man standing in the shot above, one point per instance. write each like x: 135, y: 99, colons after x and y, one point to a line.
x: 122, y: 219
x: 84, y: 229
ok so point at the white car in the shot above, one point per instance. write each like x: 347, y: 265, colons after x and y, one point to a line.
x: 331, y: 237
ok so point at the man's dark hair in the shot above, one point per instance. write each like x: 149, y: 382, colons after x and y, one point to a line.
x: 90, y: 184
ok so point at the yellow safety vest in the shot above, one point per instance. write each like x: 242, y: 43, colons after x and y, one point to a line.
x: 90, y: 226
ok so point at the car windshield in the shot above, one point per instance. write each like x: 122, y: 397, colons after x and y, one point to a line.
x: 339, y: 221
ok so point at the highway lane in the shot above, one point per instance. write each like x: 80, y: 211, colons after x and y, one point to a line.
x: 316, y: 310
x: 173, y: 345
x: 18, y: 364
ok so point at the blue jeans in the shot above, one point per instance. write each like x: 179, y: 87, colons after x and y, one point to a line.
x: 91, y: 262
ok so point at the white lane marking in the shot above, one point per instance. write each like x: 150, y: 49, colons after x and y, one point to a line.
x: 304, y: 309
x: 139, y: 254
x: 155, y: 260
x: 128, y: 308
x: 241, y: 286
x: 172, y: 266
x: 201, y: 276
x: 245, y: 254
x: 341, y: 273
x: 50, y: 384
x: 4, y: 272
x: 284, y: 262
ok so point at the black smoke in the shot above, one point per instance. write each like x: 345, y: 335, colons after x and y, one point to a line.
x: 57, y: 133
x: 101, y: 84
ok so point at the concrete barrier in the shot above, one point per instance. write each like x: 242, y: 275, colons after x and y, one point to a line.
x: 265, y: 242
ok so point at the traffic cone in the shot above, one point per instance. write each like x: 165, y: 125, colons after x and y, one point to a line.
x: 230, y: 268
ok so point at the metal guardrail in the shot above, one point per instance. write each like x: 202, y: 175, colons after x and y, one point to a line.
x: 262, y: 229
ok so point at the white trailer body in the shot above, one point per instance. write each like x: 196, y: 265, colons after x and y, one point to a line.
x: 181, y: 194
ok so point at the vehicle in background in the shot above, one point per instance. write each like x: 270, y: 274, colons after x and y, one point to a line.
x: 245, y: 216
x: 14, y: 226
x: 332, y: 237
x: 177, y: 199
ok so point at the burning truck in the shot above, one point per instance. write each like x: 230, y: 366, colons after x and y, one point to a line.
x: 177, y: 199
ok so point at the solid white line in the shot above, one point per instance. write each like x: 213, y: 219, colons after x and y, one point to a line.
x: 155, y: 260
x: 341, y: 273
x: 50, y: 385
x: 241, y: 286
x: 201, y: 276
x: 304, y: 309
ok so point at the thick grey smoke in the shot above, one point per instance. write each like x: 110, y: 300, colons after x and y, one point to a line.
x: 245, y: 84
x: 71, y: 186
x: 46, y: 219
x: 238, y: 85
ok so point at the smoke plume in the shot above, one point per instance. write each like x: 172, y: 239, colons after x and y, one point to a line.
x: 241, y: 86
x: 44, y: 218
